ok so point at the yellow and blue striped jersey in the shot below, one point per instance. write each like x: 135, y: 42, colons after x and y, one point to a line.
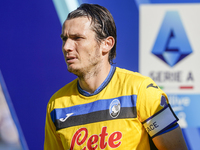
x: 120, y: 114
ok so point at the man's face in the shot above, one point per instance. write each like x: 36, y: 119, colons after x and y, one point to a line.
x: 80, y: 48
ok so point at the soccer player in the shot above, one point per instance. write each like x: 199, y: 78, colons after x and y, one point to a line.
x: 106, y: 107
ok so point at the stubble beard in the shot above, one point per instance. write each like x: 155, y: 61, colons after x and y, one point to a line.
x: 92, y: 69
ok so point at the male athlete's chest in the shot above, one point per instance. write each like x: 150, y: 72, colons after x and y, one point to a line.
x: 102, y: 124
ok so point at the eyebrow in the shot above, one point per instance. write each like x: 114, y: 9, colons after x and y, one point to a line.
x: 72, y: 35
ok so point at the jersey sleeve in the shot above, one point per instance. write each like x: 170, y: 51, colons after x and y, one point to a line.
x: 52, y: 140
x: 153, y: 108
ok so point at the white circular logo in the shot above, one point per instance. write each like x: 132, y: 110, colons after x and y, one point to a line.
x: 114, y: 108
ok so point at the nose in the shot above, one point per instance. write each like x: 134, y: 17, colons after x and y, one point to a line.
x: 68, y: 45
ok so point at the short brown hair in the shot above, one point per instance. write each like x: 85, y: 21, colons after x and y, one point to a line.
x: 102, y: 23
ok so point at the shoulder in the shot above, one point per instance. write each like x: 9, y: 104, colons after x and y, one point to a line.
x: 68, y: 88
x: 66, y: 91
x: 130, y: 76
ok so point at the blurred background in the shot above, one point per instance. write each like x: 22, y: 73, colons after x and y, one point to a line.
x: 158, y: 38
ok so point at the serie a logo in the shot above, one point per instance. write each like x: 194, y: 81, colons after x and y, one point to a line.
x: 172, y: 44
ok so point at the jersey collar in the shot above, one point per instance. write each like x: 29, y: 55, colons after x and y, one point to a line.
x: 101, y: 87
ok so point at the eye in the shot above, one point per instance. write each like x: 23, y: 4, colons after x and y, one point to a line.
x: 77, y: 38
x: 64, y: 39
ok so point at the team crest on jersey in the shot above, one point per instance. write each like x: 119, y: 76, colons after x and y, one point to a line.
x: 114, y: 108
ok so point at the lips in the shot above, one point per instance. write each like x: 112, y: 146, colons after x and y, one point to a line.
x: 70, y: 59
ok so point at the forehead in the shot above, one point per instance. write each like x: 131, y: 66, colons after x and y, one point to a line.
x: 76, y: 25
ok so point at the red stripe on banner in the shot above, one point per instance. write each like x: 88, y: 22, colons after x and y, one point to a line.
x: 186, y: 87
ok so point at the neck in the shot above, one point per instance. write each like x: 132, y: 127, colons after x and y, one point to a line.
x: 94, y: 78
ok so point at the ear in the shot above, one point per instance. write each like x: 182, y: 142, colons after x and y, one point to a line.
x: 108, y: 44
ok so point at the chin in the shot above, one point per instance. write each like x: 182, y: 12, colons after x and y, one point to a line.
x: 73, y: 70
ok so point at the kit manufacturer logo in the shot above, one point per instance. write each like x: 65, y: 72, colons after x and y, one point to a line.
x: 172, y: 44
x: 67, y: 116
x: 151, y: 85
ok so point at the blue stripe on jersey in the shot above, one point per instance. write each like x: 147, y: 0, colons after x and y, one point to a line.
x: 99, y: 105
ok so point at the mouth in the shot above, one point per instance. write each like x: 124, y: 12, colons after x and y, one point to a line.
x: 70, y: 59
